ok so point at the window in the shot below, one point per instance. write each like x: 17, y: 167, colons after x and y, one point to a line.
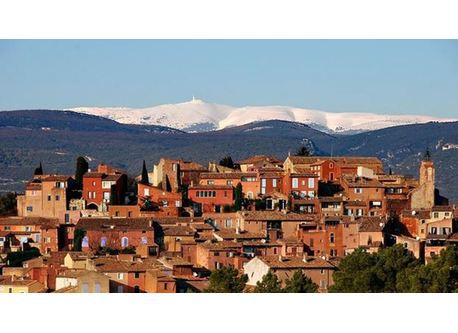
x: 331, y: 238
x: 178, y: 203
x: 129, y: 214
x: 7, y: 227
x: 311, y: 194
x: 333, y: 253
x: 229, y: 182
x: 331, y: 165
x: 436, y: 215
x: 136, y: 289
x: 84, y: 288
x: 60, y: 184
x: 93, y: 183
x: 274, y: 182
x: 433, y: 230
x: 295, y: 183
x: 103, y: 241
x: 322, y: 271
x: 120, y: 276
x: 29, y: 208
x: 225, y: 194
x: 67, y: 218
x: 120, y: 289
x: 85, y: 242
x: 210, y: 182
x: 144, y: 240
x: 49, y: 198
x: 124, y: 242
x: 57, y: 197
x: 165, y: 286
x: 146, y: 192
x: 28, y: 228
x: 136, y: 275
x: 228, y: 223
x: 216, y: 254
x: 97, y: 287
x: 358, y: 190
x: 106, y: 196
x: 311, y: 182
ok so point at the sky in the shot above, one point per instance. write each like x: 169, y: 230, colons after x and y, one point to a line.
x: 381, y: 76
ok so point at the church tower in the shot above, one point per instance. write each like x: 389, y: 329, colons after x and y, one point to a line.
x: 423, y: 196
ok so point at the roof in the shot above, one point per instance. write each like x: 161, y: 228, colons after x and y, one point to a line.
x: 56, y: 178
x: 224, y: 245
x: 206, y: 187
x: 275, y: 215
x: 362, y: 182
x: 331, y: 199
x: 371, y: 224
x: 355, y: 203
x: 278, y: 262
x: 226, y: 175
x: 442, y: 209
x: 170, y: 262
x: 178, y: 220
x: 259, y: 158
x: 112, y: 265
x: 339, y: 159
x: 21, y: 220
x: 419, y: 214
x: 228, y: 234
x: 178, y: 231
x: 97, y: 223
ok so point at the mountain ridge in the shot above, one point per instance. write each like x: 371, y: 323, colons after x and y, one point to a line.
x: 201, y: 116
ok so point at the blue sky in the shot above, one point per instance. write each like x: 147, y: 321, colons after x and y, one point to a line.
x: 382, y: 76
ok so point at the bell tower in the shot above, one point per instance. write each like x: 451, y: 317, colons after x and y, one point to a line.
x: 423, y: 196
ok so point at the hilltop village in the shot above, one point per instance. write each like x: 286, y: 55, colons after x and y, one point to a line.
x: 176, y: 225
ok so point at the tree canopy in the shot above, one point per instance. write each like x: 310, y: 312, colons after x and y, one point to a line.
x: 226, y: 280
x: 383, y: 271
x: 268, y: 284
x: 299, y: 283
x: 303, y: 151
x: 227, y: 162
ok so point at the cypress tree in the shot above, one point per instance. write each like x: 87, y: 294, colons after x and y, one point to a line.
x: 145, y: 179
x: 238, y: 197
x: 81, y: 168
x: 38, y: 171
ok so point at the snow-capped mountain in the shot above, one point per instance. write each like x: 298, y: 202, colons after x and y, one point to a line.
x: 199, y: 116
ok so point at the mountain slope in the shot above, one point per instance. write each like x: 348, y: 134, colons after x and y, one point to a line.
x: 56, y: 138
x: 200, y: 116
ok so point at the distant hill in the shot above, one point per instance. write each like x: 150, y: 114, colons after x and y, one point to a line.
x: 57, y: 137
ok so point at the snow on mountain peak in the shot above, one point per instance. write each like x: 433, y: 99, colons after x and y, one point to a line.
x: 198, y: 115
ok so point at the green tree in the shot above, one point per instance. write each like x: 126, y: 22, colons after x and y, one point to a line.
x: 391, y: 262
x: 303, y: 151
x: 438, y: 276
x: 82, y: 166
x: 38, y: 171
x: 238, y: 197
x: 268, y: 284
x: 227, y: 162
x: 226, y: 280
x: 145, y: 178
x: 8, y: 204
x: 299, y: 283
x: 355, y: 273
x: 113, y: 196
x: 78, y: 239
x: 15, y: 259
